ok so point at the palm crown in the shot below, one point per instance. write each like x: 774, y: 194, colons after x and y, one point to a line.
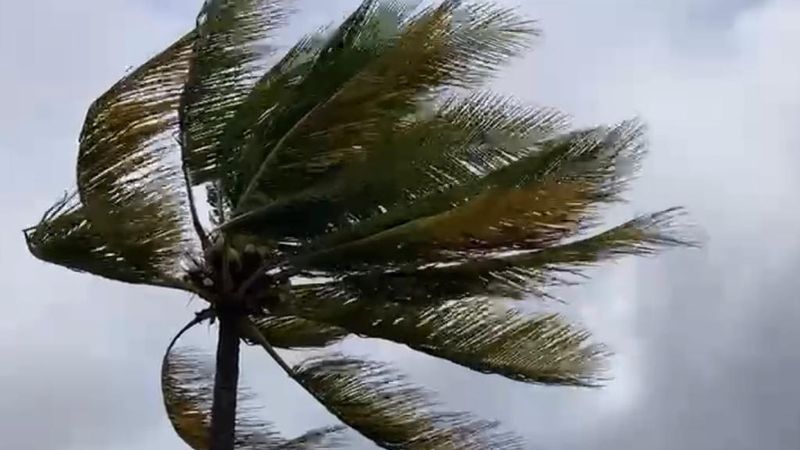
x: 360, y: 185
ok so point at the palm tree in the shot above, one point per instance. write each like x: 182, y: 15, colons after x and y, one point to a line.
x: 363, y: 185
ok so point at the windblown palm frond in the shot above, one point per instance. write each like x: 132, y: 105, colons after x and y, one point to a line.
x: 365, y: 184
x: 477, y: 334
x: 534, y: 201
x: 278, y: 98
x: 514, y: 275
x: 227, y: 60
x: 356, y: 103
x: 67, y: 237
x: 417, y: 158
x: 382, y: 405
x: 129, y: 177
x: 186, y: 383
x: 294, y: 332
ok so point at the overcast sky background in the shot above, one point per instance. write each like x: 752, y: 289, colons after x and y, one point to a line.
x: 706, y: 340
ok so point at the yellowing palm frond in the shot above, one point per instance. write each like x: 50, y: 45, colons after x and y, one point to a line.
x: 530, y: 203
x: 187, y: 383
x: 474, y: 333
x: 129, y: 173
x: 383, y: 406
x: 67, y: 236
x: 516, y: 275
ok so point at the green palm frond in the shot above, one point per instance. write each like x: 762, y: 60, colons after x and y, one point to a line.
x: 129, y: 179
x: 187, y: 383
x: 533, y: 202
x: 530, y: 273
x: 307, y: 77
x: 239, y: 129
x: 461, y: 140
x: 381, y: 404
x: 476, y: 333
x: 294, y: 332
x: 439, y: 50
x: 67, y: 237
x: 225, y: 66
x: 306, y: 74
x: 385, y: 407
x: 517, y: 275
x: 187, y: 406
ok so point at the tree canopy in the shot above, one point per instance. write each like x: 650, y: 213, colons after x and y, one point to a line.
x: 363, y: 183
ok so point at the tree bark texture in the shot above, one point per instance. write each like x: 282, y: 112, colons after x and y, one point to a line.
x: 223, y: 411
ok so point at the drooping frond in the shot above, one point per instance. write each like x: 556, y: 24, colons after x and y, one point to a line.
x: 531, y: 203
x: 442, y: 47
x: 187, y: 379
x: 378, y: 402
x: 129, y: 179
x: 294, y: 332
x: 65, y: 236
x: 225, y: 65
x: 385, y: 407
x: 187, y: 397
x: 475, y: 333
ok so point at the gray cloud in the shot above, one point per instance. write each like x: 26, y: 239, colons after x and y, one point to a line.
x: 704, y: 339
x: 703, y: 336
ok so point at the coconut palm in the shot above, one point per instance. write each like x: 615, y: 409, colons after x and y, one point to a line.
x: 363, y: 184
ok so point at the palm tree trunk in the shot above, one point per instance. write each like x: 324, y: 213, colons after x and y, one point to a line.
x: 223, y: 410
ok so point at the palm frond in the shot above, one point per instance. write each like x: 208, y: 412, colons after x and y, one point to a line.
x: 187, y: 404
x: 476, y: 333
x: 66, y: 236
x: 225, y: 66
x: 294, y: 332
x: 187, y: 378
x: 531, y: 273
x: 385, y: 407
x: 270, y: 89
x: 462, y: 140
x: 517, y: 275
x: 533, y: 202
x: 327, y: 438
x: 378, y: 402
x: 185, y: 389
x: 442, y: 47
x: 309, y: 74
x: 130, y: 182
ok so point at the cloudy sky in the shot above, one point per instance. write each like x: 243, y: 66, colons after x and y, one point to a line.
x: 706, y: 340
